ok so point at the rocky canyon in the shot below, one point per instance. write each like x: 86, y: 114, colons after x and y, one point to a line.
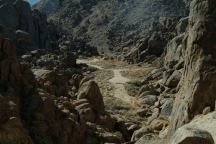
x: 107, y: 72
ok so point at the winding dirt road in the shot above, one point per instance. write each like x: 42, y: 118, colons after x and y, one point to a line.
x: 118, y: 81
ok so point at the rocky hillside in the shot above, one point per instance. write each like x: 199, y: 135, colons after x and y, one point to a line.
x: 24, y: 26
x: 183, y: 88
x: 109, y: 25
x: 46, y: 97
x: 30, y: 30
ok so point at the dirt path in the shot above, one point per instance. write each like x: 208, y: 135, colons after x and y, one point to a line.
x: 118, y: 81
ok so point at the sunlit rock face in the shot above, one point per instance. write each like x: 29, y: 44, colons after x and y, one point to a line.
x: 198, y: 80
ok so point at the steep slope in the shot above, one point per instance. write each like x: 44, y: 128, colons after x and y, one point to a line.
x: 111, y: 24
x: 185, y: 84
x: 198, y: 81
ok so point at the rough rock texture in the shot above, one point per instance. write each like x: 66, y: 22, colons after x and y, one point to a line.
x: 198, y: 82
x: 188, y: 73
x: 46, y: 109
x: 91, y: 91
x: 28, y: 114
x: 11, y: 79
x: 52, y: 82
x: 16, y: 15
x: 200, y: 130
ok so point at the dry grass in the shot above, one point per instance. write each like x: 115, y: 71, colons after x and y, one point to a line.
x: 122, y: 110
x: 137, y: 73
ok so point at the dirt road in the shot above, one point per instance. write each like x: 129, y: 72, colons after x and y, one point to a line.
x: 117, y: 81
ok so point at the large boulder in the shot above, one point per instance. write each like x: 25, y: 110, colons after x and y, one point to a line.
x: 200, y: 130
x: 52, y: 82
x: 166, y: 108
x: 10, y: 67
x: 91, y: 92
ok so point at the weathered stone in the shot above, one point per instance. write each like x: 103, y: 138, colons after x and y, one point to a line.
x: 158, y: 124
x: 166, y: 108
x: 149, y: 100
x: 182, y: 25
x: 91, y: 91
x: 189, y: 135
x: 139, y: 133
x: 198, y: 82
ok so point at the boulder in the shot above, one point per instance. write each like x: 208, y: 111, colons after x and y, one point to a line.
x: 85, y: 111
x: 200, y: 130
x: 191, y: 136
x: 52, y: 82
x: 166, y: 108
x: 158, y: 124
x: 91, y: 92
x: 139, y: 133
x: 149, y: 100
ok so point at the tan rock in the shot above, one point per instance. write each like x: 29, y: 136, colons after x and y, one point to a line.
x: 158, y: 124
x: 198, y: 85
x: 91, y: 92
x: 201, y: 128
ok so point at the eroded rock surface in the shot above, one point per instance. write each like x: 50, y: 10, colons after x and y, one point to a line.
x: 198, y: 81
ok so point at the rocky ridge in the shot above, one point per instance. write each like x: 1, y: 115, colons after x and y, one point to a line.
x: 110, y: 25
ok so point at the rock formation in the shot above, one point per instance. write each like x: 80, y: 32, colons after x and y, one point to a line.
x: 197, y: 83
x: 184, y: 87
x: 16, y: 15
x: 46, y: 109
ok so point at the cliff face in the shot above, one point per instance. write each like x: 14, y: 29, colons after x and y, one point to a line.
x: 185, y: 83
x: 198, y: 81
x: 27, y: 28
x: 112, y: 24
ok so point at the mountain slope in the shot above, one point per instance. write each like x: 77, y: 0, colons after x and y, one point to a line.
x: 110, y: 24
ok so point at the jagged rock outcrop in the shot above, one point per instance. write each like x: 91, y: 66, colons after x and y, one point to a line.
x: 198, y: 80
x: 54, y: 83
x: 154, y: 42
x: 12, y: 128
x: 185, y: 84
x: 91, y: 91
x: 17, y: 16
